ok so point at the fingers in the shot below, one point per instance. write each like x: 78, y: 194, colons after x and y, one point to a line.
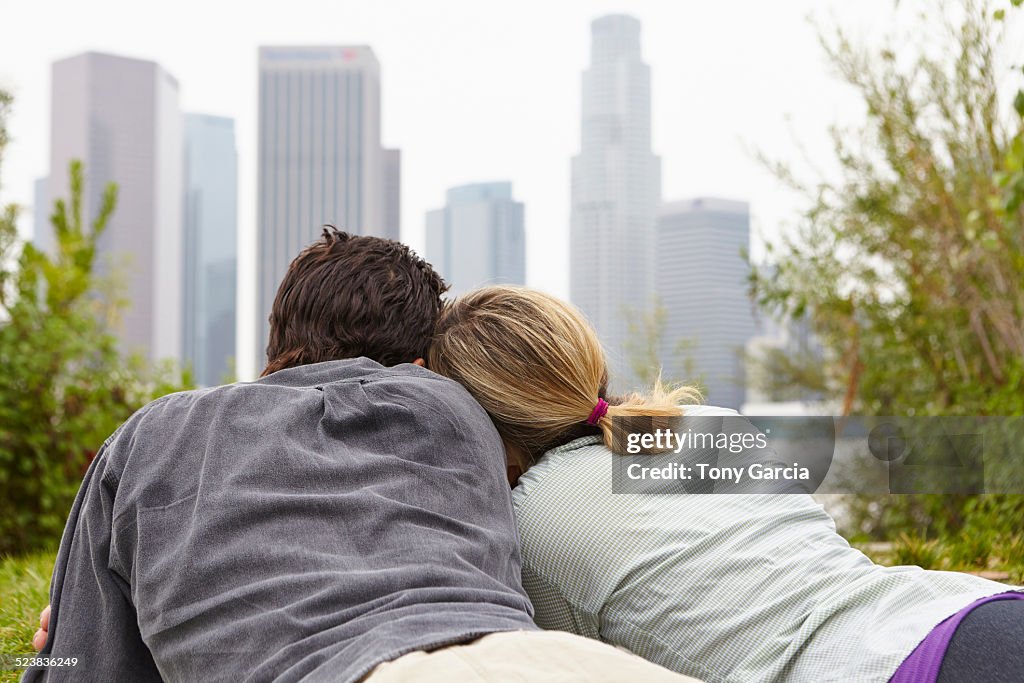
x: 39, y: 638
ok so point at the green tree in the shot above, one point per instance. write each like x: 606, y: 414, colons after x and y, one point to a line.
x: 65, y: 386
x: 910, y: 261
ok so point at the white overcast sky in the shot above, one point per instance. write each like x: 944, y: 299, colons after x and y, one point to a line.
x: 475, y: 91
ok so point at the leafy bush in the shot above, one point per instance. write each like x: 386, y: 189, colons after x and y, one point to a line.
x: 65, y: 386
x: 909, y: 264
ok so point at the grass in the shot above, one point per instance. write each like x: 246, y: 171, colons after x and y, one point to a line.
x: 997, y: 558
x: 24, y: 591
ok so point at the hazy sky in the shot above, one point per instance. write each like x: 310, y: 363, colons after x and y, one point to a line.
x: 474, y: 91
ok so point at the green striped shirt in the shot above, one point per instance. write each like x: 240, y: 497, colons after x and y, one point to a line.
x: 730, y: 588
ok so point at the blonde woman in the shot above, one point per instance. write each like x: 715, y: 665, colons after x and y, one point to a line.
x: 720, y: 587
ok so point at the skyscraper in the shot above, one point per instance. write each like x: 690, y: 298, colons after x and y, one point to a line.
x: 478, y: 238
x: 211, y: 227
x: 701, y: 275
x: 121, y: 118
x: 320, y: 157
x: 616, y: 188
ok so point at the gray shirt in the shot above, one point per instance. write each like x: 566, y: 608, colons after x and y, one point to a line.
x: 306, y: 526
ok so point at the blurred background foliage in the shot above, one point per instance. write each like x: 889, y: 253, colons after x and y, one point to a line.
x: 65, y: 386
x: 909, y: 265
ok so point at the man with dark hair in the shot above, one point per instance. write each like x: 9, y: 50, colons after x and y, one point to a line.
x: 345, y: 516
x: 348, y: 296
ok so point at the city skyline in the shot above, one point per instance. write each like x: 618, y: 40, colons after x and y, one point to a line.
x: 319, y: 116
x: 505, y: 113
x: 319, y: 119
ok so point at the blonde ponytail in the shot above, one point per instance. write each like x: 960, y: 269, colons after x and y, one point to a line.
x: 659, y: 401
x: 537, y: 367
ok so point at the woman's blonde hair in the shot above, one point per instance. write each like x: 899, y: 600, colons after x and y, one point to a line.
x: 537, y: 367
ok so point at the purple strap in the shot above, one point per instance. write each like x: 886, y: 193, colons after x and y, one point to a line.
x: 922, y: 666
x: 598, y: 412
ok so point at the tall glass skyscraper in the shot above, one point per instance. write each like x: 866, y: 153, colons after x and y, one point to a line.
x: 320, y: 158
x: 121, y: 118
x: 616, y: 188
x: 211, y: 234
x: 702, y: 283
x: 478, y: 238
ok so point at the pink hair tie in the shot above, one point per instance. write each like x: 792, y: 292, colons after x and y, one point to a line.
x: 598, y: 412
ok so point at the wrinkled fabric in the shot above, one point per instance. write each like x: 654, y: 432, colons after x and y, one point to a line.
x: 307, y: 526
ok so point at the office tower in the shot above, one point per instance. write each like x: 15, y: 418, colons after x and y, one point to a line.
x: 478, y: 237
x: 320, y: 157
x: 616, y: 188
x: 701, y: 274
x: 391, y: 224
x: 120, y: 117
x: 211, y: 226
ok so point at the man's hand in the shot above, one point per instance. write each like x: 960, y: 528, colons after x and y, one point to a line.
x: 39, y: 639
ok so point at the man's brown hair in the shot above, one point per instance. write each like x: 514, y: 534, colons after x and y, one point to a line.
x: 347, y: 296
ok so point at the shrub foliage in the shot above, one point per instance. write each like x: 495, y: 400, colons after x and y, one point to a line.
x: 65, y: 386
